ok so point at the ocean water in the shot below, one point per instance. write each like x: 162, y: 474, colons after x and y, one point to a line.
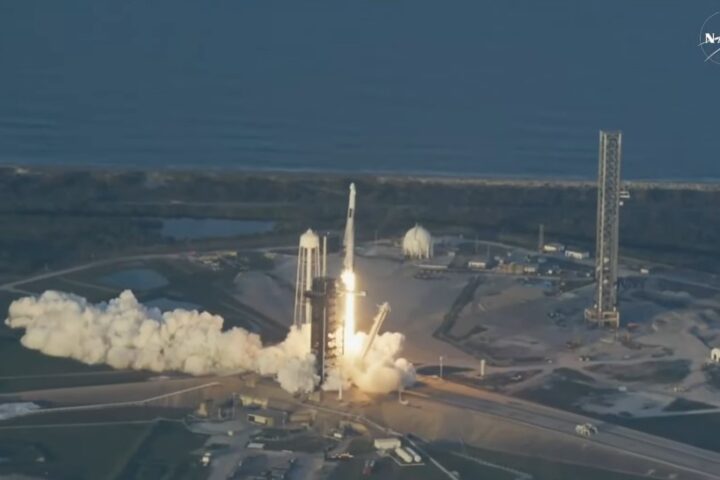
x: 467, y: 87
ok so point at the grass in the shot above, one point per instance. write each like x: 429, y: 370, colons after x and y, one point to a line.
x: 561, y: 391
x: 166, y: 454
x: 157, y: 450
x: 539, y: 468
x: 697, y: 430
x: 385, y: 469
x: 123, y: 414
x: 301, y: 443
x: 43, y: 382
x: 656, y: 371
x: 435, y: 370
x: 467, y: 468
x: 447, y: 456
x: 685, y: 405
x: 16, y: 360
x: 497, y: 381
x: 75, y: 452
x: 712, y: 374
x: 66, y: 283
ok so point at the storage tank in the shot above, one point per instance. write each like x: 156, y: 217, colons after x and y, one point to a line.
x: 404, y: 455
x: 416, y: 456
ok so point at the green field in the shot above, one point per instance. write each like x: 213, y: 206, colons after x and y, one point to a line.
x: 155, y: 451
x: 698, y: 430
x: 539, y: 468
x: 169, y: 452
x: 74, y: 452
x: 118, y: 415
x: 385, y: 469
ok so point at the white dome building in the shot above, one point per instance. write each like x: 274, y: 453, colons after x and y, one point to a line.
x: 417, y: 243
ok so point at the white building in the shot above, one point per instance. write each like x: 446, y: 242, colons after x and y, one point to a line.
x: 387, y: 443
x: 553, y: 247
x: 577, y: 254
x: 477, y: 264
x: 417, y: 243
x: 715, y: 355
x: 530, y: 269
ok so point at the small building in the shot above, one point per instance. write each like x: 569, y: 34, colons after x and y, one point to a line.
x: 577, y: 254
x: 715, y: 355
x: 512, y: 268
x: 432, y: 266
x: 251, y: 401
x: 387, y: 443
x: 477, y: 264
x: 550, y: 269
x: 553, y: 247
x: 268, y: 418
x: 303, y: 417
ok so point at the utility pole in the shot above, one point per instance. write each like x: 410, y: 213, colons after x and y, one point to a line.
x: 324, y: 256
x: 342, y: 380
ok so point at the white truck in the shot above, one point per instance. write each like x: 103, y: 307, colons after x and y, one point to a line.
x: 586, y: 429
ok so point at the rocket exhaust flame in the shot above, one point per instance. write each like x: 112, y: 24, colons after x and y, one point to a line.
x: 351, y: 341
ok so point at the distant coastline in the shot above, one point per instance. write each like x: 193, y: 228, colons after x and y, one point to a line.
x: 436, y: 178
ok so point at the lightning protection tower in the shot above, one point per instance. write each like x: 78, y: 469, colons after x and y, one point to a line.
x: 308, y: 268
x: 605, y: 310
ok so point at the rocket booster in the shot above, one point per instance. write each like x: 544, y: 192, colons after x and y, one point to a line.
x: 349, y: 240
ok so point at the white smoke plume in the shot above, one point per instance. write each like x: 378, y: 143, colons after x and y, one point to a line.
x: 381, y: 371
x: 124, y: 334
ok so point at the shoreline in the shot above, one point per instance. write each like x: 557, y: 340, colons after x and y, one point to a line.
x: 430, y: 178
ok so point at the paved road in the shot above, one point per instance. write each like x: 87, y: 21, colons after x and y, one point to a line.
x: 98, y: 263
x: 677, y: 455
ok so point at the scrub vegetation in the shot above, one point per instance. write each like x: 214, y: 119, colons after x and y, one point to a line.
x: 53, y: 217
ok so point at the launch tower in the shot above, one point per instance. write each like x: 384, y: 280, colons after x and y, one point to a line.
x: 326, y: 335
x: 605, y: 310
